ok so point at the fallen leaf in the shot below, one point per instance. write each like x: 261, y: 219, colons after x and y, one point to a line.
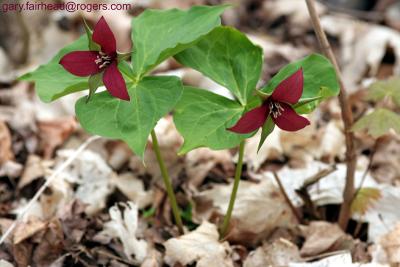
x: 6, y: 153
x: 280, y: 253
x: 35, y: 168
x: 26, y: 230
x: 391, y: 244
x: 260, y: 208
x: 133, y: 188
x: 92, y: 175
x: 53, y: 133
x: 322, y: 237
x: 199, y: 162
x: 200, y: 246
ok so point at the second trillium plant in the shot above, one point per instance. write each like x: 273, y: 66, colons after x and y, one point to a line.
x: 135, y: 101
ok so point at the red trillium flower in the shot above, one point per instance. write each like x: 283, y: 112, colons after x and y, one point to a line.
x: 278, y: 106
x: 87, y: 63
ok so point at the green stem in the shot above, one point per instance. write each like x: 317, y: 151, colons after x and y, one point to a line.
x: 238, y: 174
x: 167, y: 182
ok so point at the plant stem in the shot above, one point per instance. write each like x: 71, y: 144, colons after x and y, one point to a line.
x: 347, y: 117
x: 167, y: 182
x: 238, y: 174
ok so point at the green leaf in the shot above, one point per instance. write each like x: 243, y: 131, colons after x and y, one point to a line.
x: 378, y: 122
x: 52, y: 81
x: 151, y: 99
x: 229, y: 58
x: 382, y: 89
x: 319, y: 80
x: 202, y: 118
x: 267, y: 129
x: 159, y: 34
x: 364, y: 200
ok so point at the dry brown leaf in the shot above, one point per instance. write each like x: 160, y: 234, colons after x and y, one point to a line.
x: 35, y: 168
x: 322, y: 237
x: 49, y: 244
x: 54, y: 133
x: 280, y: 253
x: 6, y: 153
x: 363, y: 46
x: 26, y: 230
x: 199, y: 162
x: 201, y: 246
x: 259, y: 209
x: 133, y: 188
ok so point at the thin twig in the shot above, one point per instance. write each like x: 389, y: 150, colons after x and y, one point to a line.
x: 287, y: 199
x: 303, y: 193
x: 49, y: 180
x: 347, y: 117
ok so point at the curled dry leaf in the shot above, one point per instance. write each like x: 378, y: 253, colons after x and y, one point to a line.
x: 133, y: 188
x: 259, y: 209
x: 35, y: 168
x: 123, y: 226
x: 6, y: 153
x: 92, y: 175
x: 363, y: 47
x: 280, y: 253
x: 201, y: 247
x: 27, y: 229
x: 323, y: 237
x: 271, y: 150
x: 199, y: 162
x: 295, y: 10
x: 54, y: 133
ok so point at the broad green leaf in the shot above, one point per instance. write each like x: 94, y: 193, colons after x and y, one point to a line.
x: 159, y: 34
x: 319, y: 80
x: 151, y: 99
x: 364, y: 200
x: 267, y: 129
x: 378, y: 122
x: 382, y: 89
x: 229, y: 58
x: 202, y: 118
x: 52, y: 81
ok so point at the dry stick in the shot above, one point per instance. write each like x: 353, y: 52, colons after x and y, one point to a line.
x: 347, y: 118
x: 288, y: 201
x: 46, y: 184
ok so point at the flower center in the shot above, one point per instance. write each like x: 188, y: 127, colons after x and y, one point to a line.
x: 103, y: 60
x: 275, y: 109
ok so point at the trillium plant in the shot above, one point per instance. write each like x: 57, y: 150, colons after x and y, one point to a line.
x: 134, y: 100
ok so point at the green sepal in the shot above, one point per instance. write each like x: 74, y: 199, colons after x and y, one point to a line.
x: 95, y: 81
x: 89, y: 33
x: 267, y: 129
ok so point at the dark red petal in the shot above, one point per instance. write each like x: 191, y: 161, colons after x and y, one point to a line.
x: 80, y: 63
x: 103, y: 35
x: 251, y: 120
x: 290, y: 89
x: 115, y: 83
x: 289, y: 120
